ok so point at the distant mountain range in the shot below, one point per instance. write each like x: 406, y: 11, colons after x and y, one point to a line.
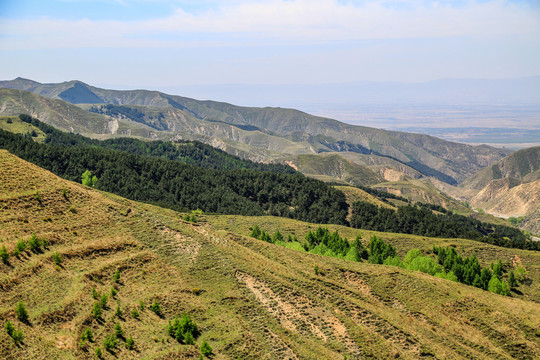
x: 263, y: 134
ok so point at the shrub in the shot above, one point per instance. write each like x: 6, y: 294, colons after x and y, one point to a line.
x: 9, y: 328
x: 20, y: 247
x: 34, y: 243
x: 141, y: 305
x: 57, y: 258
x: 97, y: 310
x: 206, y: 349
x: 113, y: 292
x: 95, y: 294
x: 87, y: 335
x: 130, y: 343
x: 135, y: 314
x: 99, y: 354
x: 17, y: 336
x: 21, y: 312
x: 187, y: 218
x: 156, y: 308
x: 110, y: 342
x: 4, y: 255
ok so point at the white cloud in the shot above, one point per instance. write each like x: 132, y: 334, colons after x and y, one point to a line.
x: 297, y: 21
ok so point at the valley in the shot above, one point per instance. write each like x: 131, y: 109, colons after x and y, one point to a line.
x: 164, y: 227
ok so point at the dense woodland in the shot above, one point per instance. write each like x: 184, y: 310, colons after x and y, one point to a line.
x: 422, y: 221
x: 180, y: 187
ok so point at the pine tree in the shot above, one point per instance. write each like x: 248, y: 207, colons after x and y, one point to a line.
x: 4, y: 255
x: 156, y: 308
x: 119, y: 332
x: 116, y: 276
x: 256, y: 232
x: 21, y: 312
x: 9, y: 328
x: 206, y: 349
x: 97, y: 310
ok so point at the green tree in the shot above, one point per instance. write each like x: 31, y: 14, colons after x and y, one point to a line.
x: 156, y: 308
x: 4, y: 255
x: 135, y: 314
x: 21, y: 312
x: 99, y: 354
x: 97, y: 310
x: 206, y: 349
x: 86, y: 178
x: 118, y: 331
x: 277, y: 236
x: 9, y: 328
x: 103, y: 301
x: 17, y: 336
x: 95, y: 294
x: 116, y: 276
x: 495, y: 285
x: 87, y: 335
x: 110, y: 342
x: 256, y: 232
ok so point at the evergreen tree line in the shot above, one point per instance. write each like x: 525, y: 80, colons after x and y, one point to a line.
x: 182, y: 187
x: 448, y: 265
x: 422, y: 221
x: 188, y: 152
x: 321, y: 242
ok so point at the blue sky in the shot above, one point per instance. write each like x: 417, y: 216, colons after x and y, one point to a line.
x: 173, y: 44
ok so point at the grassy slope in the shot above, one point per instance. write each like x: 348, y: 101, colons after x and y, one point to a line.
x: 17, y: 126
x: 257, y: 300
x: 335, y: 168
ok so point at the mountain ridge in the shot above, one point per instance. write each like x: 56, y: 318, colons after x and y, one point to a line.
x: 287, y: 131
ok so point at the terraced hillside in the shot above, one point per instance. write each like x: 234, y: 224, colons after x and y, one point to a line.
x: 250, y: 299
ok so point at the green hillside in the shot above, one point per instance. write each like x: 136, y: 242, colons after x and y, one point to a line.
x: 249, y: 299
x: 335, y: 168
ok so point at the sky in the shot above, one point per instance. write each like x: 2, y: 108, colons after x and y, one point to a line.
x: 178, y: 44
